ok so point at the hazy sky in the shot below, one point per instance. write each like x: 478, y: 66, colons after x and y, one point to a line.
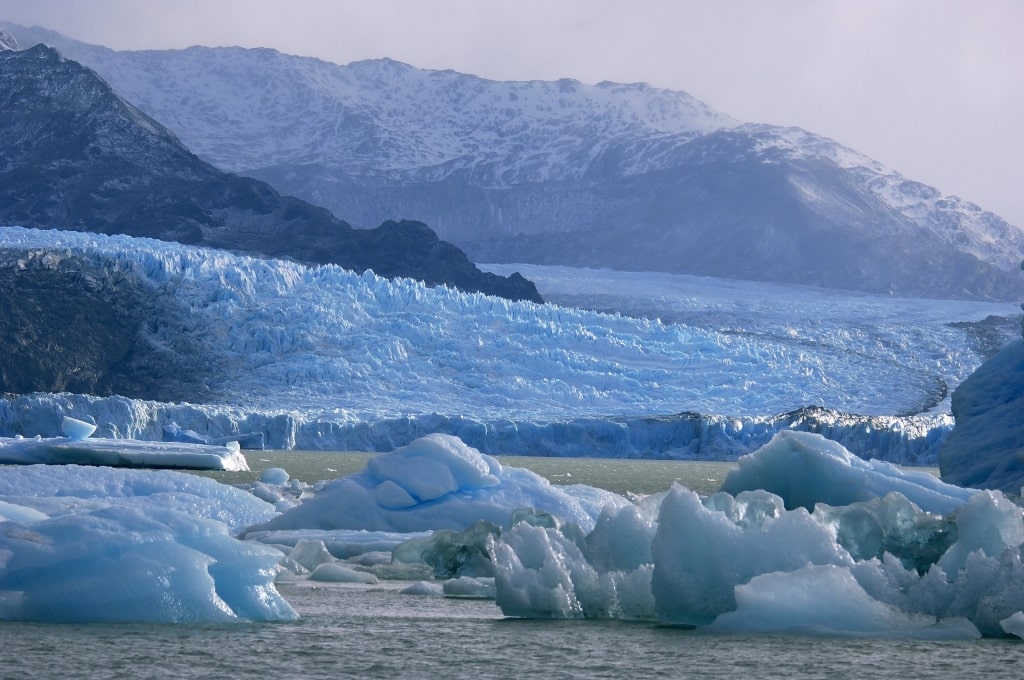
x: 932, y: 88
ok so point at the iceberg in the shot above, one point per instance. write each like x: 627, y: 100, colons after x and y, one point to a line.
x: 805, y: 469
x: 438, y: 482
x: 91, y: 544
x: 877, y: 566
x: 77, y: 447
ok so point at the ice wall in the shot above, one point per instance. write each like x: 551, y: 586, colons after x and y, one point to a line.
x: 911, y: 440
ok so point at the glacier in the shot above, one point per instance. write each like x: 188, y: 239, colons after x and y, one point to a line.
x: 322, y: 358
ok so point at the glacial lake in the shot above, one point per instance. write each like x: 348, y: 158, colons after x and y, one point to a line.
x: 623, y: 476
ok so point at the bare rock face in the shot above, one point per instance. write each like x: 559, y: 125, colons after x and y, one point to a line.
x: 71, y: 325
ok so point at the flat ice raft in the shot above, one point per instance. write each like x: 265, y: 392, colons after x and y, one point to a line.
x: 77, y: 447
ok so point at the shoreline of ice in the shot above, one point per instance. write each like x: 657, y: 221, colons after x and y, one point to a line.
x: 905, y: 440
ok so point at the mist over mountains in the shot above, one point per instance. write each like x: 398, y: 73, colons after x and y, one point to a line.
x: 607, y: 175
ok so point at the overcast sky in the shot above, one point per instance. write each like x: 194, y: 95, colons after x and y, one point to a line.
x: 932, y: 88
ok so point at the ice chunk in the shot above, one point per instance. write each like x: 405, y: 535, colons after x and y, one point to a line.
x: 701, y: 553
x: 10, y: 512
x: 76, y: 430
x: 339, y: 573
x: 64, y: 489
x: 805, y: 468
x: 100, y: 544
x: 988, y: 523
x: 469, y: 586
x: 826, y: 599
x: 120, y: 453
x: 423, y: 588
x: 543, y: 572
x: 892, y: 525
x: 451, y: 553
x: 126, y: 564
x: 438, y: 482
x: 274, y: 476
x: 310, y: 554
x: 1014, y: 624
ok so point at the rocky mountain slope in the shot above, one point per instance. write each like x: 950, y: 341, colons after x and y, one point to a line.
x: 606, y: 175
x: 73, y: 154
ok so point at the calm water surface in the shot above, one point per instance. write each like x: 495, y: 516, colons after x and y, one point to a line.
x: 350, y: 631
x: 619, y: 475
x: 375, y: 632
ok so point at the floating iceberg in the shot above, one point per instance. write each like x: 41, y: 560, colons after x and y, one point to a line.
x: 438, y: 482
x: 85, y: 544
x: 876, y: 565
x: 806, y: 469
x: 77, y: 447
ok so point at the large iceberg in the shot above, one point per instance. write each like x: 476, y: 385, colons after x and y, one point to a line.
x: 90, y: 544
x: 878, y: 565
x: 438, y: 482
x: 84, y: 544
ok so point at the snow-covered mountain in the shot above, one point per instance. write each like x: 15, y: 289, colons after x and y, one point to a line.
x: 623, y: 176
x: 74, y: 154
x: 321, y: 357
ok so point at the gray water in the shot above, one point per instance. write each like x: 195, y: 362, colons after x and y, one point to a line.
x: 623, y: 476
x: 358, y: 631
x: 375, y: 632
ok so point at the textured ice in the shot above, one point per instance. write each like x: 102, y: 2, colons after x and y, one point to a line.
x: 438, y: 482
x: 318, y: 357
x: 876, y: 567
x: 805, y: 469
x: 84, y: 544
x: 827, y: 600
x: 986, y: 449
x: 78, y: 448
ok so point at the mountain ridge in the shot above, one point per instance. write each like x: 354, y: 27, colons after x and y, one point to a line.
x: 77, y: 155
x: 558, y: 172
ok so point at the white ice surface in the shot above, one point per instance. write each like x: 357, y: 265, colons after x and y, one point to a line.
x: 78, y: 448
x: 322, y: 358
x: 85, y: 544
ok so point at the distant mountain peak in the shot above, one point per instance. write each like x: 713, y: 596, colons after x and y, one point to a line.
x: 73, y: 154
x: 626, y: 176
x: 7, y: 41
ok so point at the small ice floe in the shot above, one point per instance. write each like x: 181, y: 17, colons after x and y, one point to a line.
x: 78, y: 447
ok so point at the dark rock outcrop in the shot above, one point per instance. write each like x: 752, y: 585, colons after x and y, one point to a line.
x: 71, y: 325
